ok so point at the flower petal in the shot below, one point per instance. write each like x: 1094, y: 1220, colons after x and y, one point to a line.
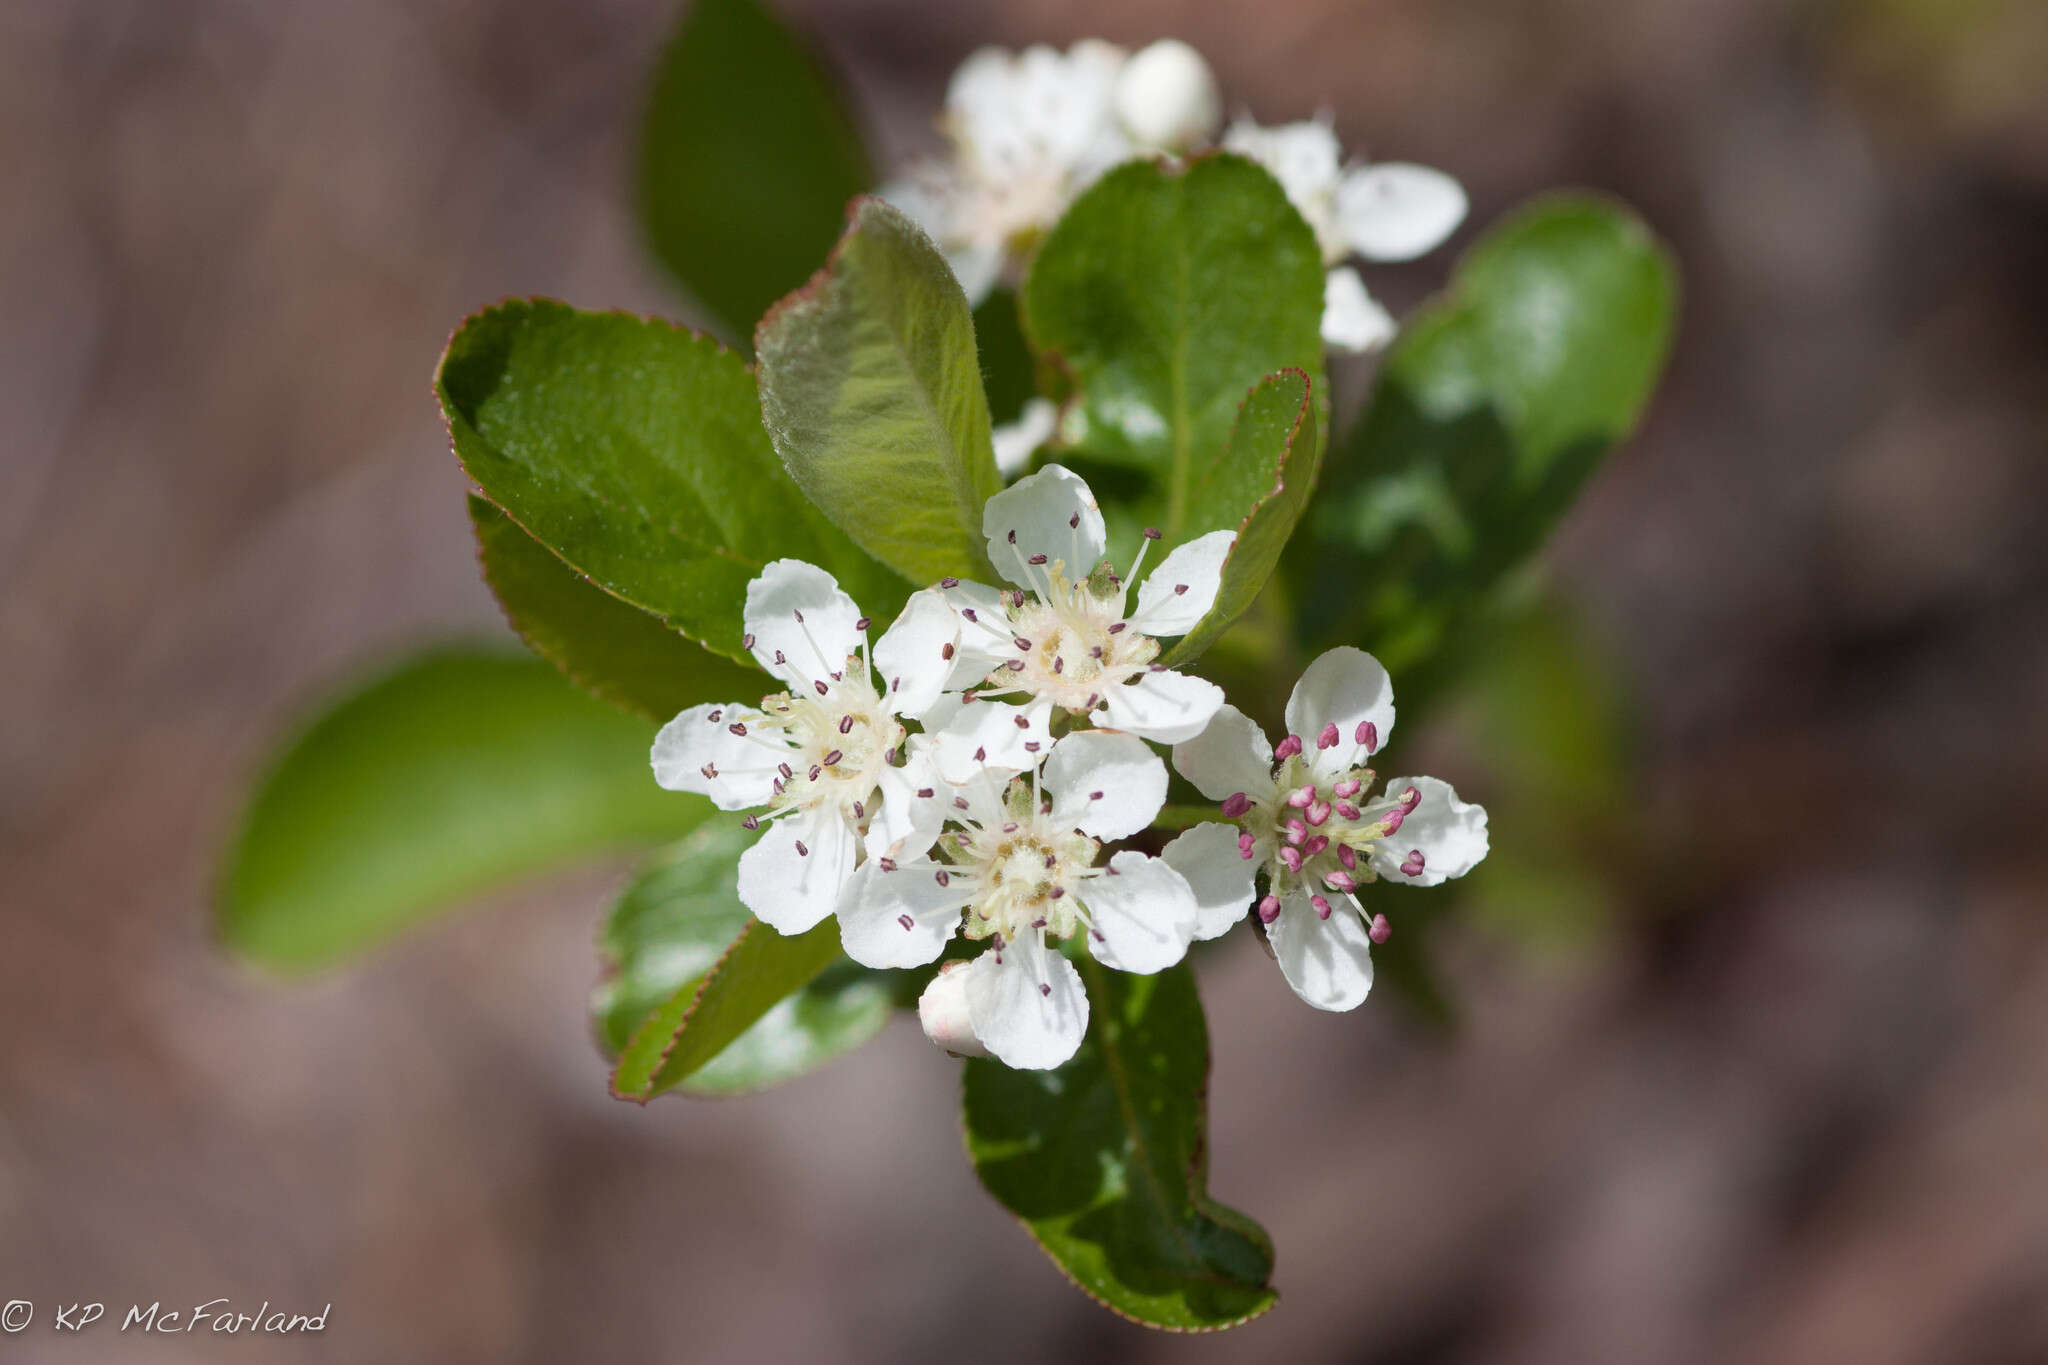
x: 914, y: 807
x: 1395, y: 211
x: 992, y: 734
x: 942, y: 1009
x: 1342, y: 693
x: 1353, y: 320
x: 789, y: 891
x: 985, y: 639
x: 914, y: 656
x: 803, y: 626
x: 742, y: 769
x: 901, y: 917
x: 1181, y: 590
x: 1217, y: 872
x: 1107, y: 785
x: 1026, y: 1004
x: 1327, y: 961
x: 1144, y: 914
x: 1016, y: 441
x: 1166, y: 706
x: 1231, y: 755
x: 1050, y: 513
x: 1449, y: 834
x: 1166, y: 98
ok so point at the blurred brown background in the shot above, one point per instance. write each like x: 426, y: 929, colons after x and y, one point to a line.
x: 1790, y: 1104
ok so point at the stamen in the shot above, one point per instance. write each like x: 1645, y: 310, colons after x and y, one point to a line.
x: 1288, y: 747
x: 1269, y: 909
x: 751, y: 822
x: 846, y: 725
x: 943, y: 877
x: 1347, y: 810
x: 747, y: 640
x: 1413, y: 866
x: 946, y: 650
x: 907, y: 922
x: 1346, y: 856
x: 949, y: 582
x: 1315, y: 846
x: 1318, y: 812
x: 801, y: 851
x: 1023, y: 722
x: 1350, y: 786
x: 1245, y: 844
x: 1328, y: 739
x: 1379, y: 931
x: 1301, y: 797
x: 1368, y: 734
x: 886, y: 864
x: 1235, y: 805
x: 834, y: 757
x: 1341, y: 881
x: 1322, y: 905
x: 1290, y: 857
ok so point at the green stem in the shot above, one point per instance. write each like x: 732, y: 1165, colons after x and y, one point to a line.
x: 1183, y: 817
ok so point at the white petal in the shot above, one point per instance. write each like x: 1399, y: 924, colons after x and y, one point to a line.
x: 900, y: 918
x: 1327, y: 961
x: 942, y: 1009
x: 801, y: 651
x: 1144, y: 912
x: 1231, y: 755
x: 1026, y: 1004
x: 1394, y: 211
x: 985, y: 639
x: 1449, y: 834
x: 1166, y: 706
x: 986, y: 734
x: 1107, y: 785
x: 791, y: 892
x: 1353, y: 320
x: 1050, y: 513
x: 913, y: 807
x: 1015, y: 441
x: 743, y: 769
x: 914, y: 657
x: 1219, y: 875
x: 1303, y: 157
x: 1181, y: 590
x: 1166, y: 98
x: 1341, y: 694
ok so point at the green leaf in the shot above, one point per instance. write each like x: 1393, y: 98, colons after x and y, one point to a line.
x: 1494, y: 406
x: 460, y: 771
x: 607, y: 646
x: 747, y: 158
x: 1259, y: 484
x: 1106, y: 1160
x: 678, y: 918
x: 1163, y: 295
x: 872, y: 392
x: 634, y: 451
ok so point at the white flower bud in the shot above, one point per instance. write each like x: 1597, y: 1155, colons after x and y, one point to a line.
x: 942, y: 1009
x: 1166, y: 98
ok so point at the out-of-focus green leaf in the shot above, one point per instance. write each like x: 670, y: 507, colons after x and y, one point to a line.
x: 1492, y: 408
x: 1162, y: 296
x: 872, y: 394
x: 1106, y: 1160
x: 634, y: 451
x: 607, y: 646
x: 1262, y: 481
x: 460, y: 771
x: 1007, y: 370
x: 678, y: 918
x: 747, y: 158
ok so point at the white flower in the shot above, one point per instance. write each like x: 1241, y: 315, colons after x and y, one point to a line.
x: 1021, y: 865
x: 1031, y: 130
x: 1304, y: 815
x: 1063, y: 638
x: 1016, y: 441
x: 818, y: 756
x: 1388, y: 211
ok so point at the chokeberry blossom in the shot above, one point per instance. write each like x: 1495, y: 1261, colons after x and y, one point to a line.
x: 1018, y: 870
x: 1304, y: 815
x: 1064, y: 638
x: 1029, y: 131
x: 817, y: 756
x: 1386, y: 211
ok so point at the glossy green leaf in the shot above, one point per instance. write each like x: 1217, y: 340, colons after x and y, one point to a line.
x: 1163, y: 295
x: 1106, y: 1160
x: 606, y: 646
x: 463, y: 770
x: 1258, y: 484
x: 747, y: 158
x: 673, y: 924
x: 1492, y: 409
x: 634, y: 451
x: 872, y: 392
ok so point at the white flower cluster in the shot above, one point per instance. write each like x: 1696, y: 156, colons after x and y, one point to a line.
x: 1030, y: 131
x: 1033, y: 705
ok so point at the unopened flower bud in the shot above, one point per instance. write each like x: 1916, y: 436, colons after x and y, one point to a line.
x: 942, y: 1009
x: 1166, y: 98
